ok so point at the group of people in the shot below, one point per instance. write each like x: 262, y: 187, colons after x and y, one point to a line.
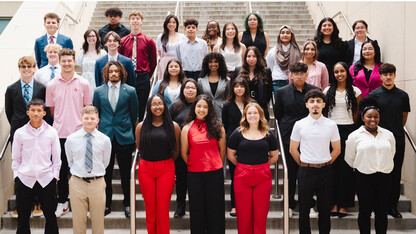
x: 211, y: 100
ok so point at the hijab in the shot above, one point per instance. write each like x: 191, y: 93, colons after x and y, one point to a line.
x: 290, y: 57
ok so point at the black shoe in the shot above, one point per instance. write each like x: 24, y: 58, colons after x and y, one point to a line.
x: 180, y: 212
x: 333, y: 214
x: 342, y: 215
x: 127, y: 211
x: 107, y: 211
x: 395, y: 213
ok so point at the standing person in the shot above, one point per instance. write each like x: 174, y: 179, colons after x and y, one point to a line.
x: 394, y: 109
x: 212, y: 35
x: 35, y: 166
x: 342, y: 107
x: 253, y: 148
x: 214, y: 81
x: 51, y: 23
x: 167, y: 42
x: 117, y: 107
x: 331, y: 48
x: 113, y: 15
x: 88, y: 152
x: 370, y: 150
x: 254, y: 34
x: 179, y: 110
x: 360, y: 28
x: 91, y: 51
x: 157, y: 139
x: 50, y: 71
x: 232, y: 50
x: 314, y: 135
x: 282, y: 56
x: 232, y: 112
x: 317, y: 72
x: 365, y: 72
x: 192, y: 50
x: 170, y: 86
x: 66, y: 95
x: 289, y: 108
x: 142, y: 51
x: 203, y: 149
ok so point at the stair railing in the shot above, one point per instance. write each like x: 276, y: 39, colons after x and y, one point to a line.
x: 69, y: 16
x: 409, y: 137
x: 3, y: 150
x: 341, y: 13
x: 133, y: 193
x: 250, y: 8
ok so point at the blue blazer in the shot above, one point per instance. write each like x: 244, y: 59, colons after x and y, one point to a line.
x: 42, y: 41
x: 165, y: 94
x: 121, y: 122
x: 127, y: 63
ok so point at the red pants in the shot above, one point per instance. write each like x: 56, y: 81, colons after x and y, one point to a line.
x: 156, y: 180
x: 252, y: 187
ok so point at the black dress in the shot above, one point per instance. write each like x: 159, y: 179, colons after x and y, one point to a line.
x: 259, y: 41
x: 330, y: 55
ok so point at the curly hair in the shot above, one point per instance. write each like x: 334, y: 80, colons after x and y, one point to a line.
x: 166, y: 76
x: 377, y: 57
x: 97, y: 44
x: 259, y: 22
x: 121, y: 69
x: 165, y: 34
x: 222, y: 70
x: 246, y: 95
x: 206, y: 35
x: 236, y: 43
x: 259, y: 71
x: 245, y: 126
x: 335, y: 39
x: 113, y: 11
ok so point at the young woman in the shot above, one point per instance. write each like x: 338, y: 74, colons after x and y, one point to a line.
x: 203, y: 149
x: 365, y: 72
x: 317, y: 72
x: 170, y: 86
x: 157, y: 138
x: 258, y: 77
x: 212, y: 35
x: 331, y: 48
x: 254, y: 34
x: 179, y: 110
x: 214, y: 81
x: 166, y: 43
x: 342, y: 107
x: 282, y: 56
x: 253, y: 148
x: 91, y: 51
x: 370, y: 150
x: 360, y: 28
x: 232, y: 112
x: 231, y: 48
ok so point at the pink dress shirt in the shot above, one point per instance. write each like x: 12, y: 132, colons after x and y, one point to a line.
x: 68, y: 98
x: 361, y: 82
x: 31, y: 155
x: 317, y: 75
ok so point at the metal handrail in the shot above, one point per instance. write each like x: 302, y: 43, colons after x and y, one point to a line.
x: 412, y: 143
x: 3, y: 150
x: 177, y: 8
x: 339, y: 12
x: 249, y: 6
x: 76, y: 21
x: 133, y: 194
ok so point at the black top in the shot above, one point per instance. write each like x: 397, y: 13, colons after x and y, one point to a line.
x: 213, y: 87
x: 179, y: 116
x: 259, y: 41
x: 351, y: 50
x: 159, y: 149
x: 231, y: 117
x: 121, y: 30
x: 252, y: 152
x: 392, y: 104
x: 367, y: 74
x: 330, y: 55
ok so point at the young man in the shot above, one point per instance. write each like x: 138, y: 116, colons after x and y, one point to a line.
x: 88, y: 152
x: 394, y: 108
x: 66, y: 95
x: 112, y: 42
x: 142, y: 51
x: 191, y: 52
x: 314, y: 134
x: 51, y: 23
x: 113, y: 15
x: 289, y: 108
x: 36, y: 164
x: 53, y: 69
x: 117, y: 104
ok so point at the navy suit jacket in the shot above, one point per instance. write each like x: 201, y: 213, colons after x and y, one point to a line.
x: 121, y: 122
x: 42, y: 41
x: 127, y: 63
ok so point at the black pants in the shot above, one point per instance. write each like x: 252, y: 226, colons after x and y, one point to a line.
x: 396, y: 174
x: 193, y: 74
x: 231, y: 167
x: 24, y: 202
x: 206, y: 202
x: 317, y: 181
x: 181, y: 171
x: 373, y: 193
x: 142, y: 91
x: 124, y: 159
x: 63, y: 189
x: 292, y: 168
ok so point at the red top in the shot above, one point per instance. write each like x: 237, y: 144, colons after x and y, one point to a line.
x: 204, y: 154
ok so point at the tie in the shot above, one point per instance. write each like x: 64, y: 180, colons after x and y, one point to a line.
x: 51, y: 40
x: 112, y: 59
x: 113, y: 101
x: 134, y: 56
x: 53, y: 72
x: 26, y: 96
x: 88, y: 153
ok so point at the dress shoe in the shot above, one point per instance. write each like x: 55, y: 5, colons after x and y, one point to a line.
x: 233, y: 213
x: 127, y: 211
x: 180, y: 212
x: 395, y: 213
x: 342, y: 215
x: 107, y: 211
x: 333, y: 214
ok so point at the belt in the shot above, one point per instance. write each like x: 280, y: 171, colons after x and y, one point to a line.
x: 319, y: 165
x: 88, y: 179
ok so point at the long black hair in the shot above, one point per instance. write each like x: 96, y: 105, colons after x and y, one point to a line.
x: 241, y: 81
x: 166, y: 76
x: 222, y: 69
x: 236, y: 43
x: 335, y: 39
x: 165, y: 34
x: 377, y: 57
x: 179, y: 104
x: 259, y: 71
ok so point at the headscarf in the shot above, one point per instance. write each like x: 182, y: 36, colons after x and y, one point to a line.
x: 290, y: 57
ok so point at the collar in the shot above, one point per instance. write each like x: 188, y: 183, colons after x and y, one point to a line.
x: 93, y: 133
x: 118, y: 26
x: 295, y: 89
x: 115, y: 56
x: 33, y: 130
x: 389, y: 90
x: 37, y: 129
x: 189, y: 41
x: 286, y: 48
x: 137, y: 35
x: 73, y: 78
x: 55, y: 36
x: 312, y: 120
x: 363, y: 130
x: 56, y: 65
x: 22, y: 83
x: 111, y: 84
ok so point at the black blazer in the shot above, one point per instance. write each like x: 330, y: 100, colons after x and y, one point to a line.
x: 15, y: 105
x: 231, y: 117
x: 350, y: 51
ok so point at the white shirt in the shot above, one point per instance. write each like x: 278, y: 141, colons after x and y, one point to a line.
x: 75, y: 147
x: 43, y: 75
x: 314, y: 137
x: 369, y: 154
x: 357, y: 50
x: 115, y: 57
x: 340, y: 114
x: 55, y: 36
x: 232, y: 59
x: 277, y: 73
x: 116, y: 90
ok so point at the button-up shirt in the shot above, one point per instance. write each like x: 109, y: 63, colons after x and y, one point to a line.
x: 55, y: 36
x: 191, y: 54
x: 75, y: 147
x: 370, y: 154
x: 36, y: 155
x: 111, y: 58
x: 43, y: 75
x: 29, y: 90
x: 116, y: 90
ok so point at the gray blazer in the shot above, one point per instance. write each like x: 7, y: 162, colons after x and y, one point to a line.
x: 220, y: 95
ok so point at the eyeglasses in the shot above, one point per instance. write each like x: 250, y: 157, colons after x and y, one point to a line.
x: 24, y: 66
x: 154, y: 105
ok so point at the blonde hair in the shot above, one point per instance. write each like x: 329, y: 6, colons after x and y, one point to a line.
x: 89, y: 110
x: 244, y: 125
x: 53, y: 47
x: 27, y: 60
x: 136, y: 13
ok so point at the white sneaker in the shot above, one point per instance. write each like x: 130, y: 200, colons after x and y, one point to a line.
x: 62, y: 209
x: 313, y: 214
x: 290, y: 213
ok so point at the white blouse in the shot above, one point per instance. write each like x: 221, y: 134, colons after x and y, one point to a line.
x: 232, y: 59
x: 170, y: 47
x: 340, y: 114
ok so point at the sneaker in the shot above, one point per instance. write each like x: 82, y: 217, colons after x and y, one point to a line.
x: 37, y: 211
x: 62, y: 209
x: 14, y: 214
x: 290, y: 213
x: 313, y: 214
